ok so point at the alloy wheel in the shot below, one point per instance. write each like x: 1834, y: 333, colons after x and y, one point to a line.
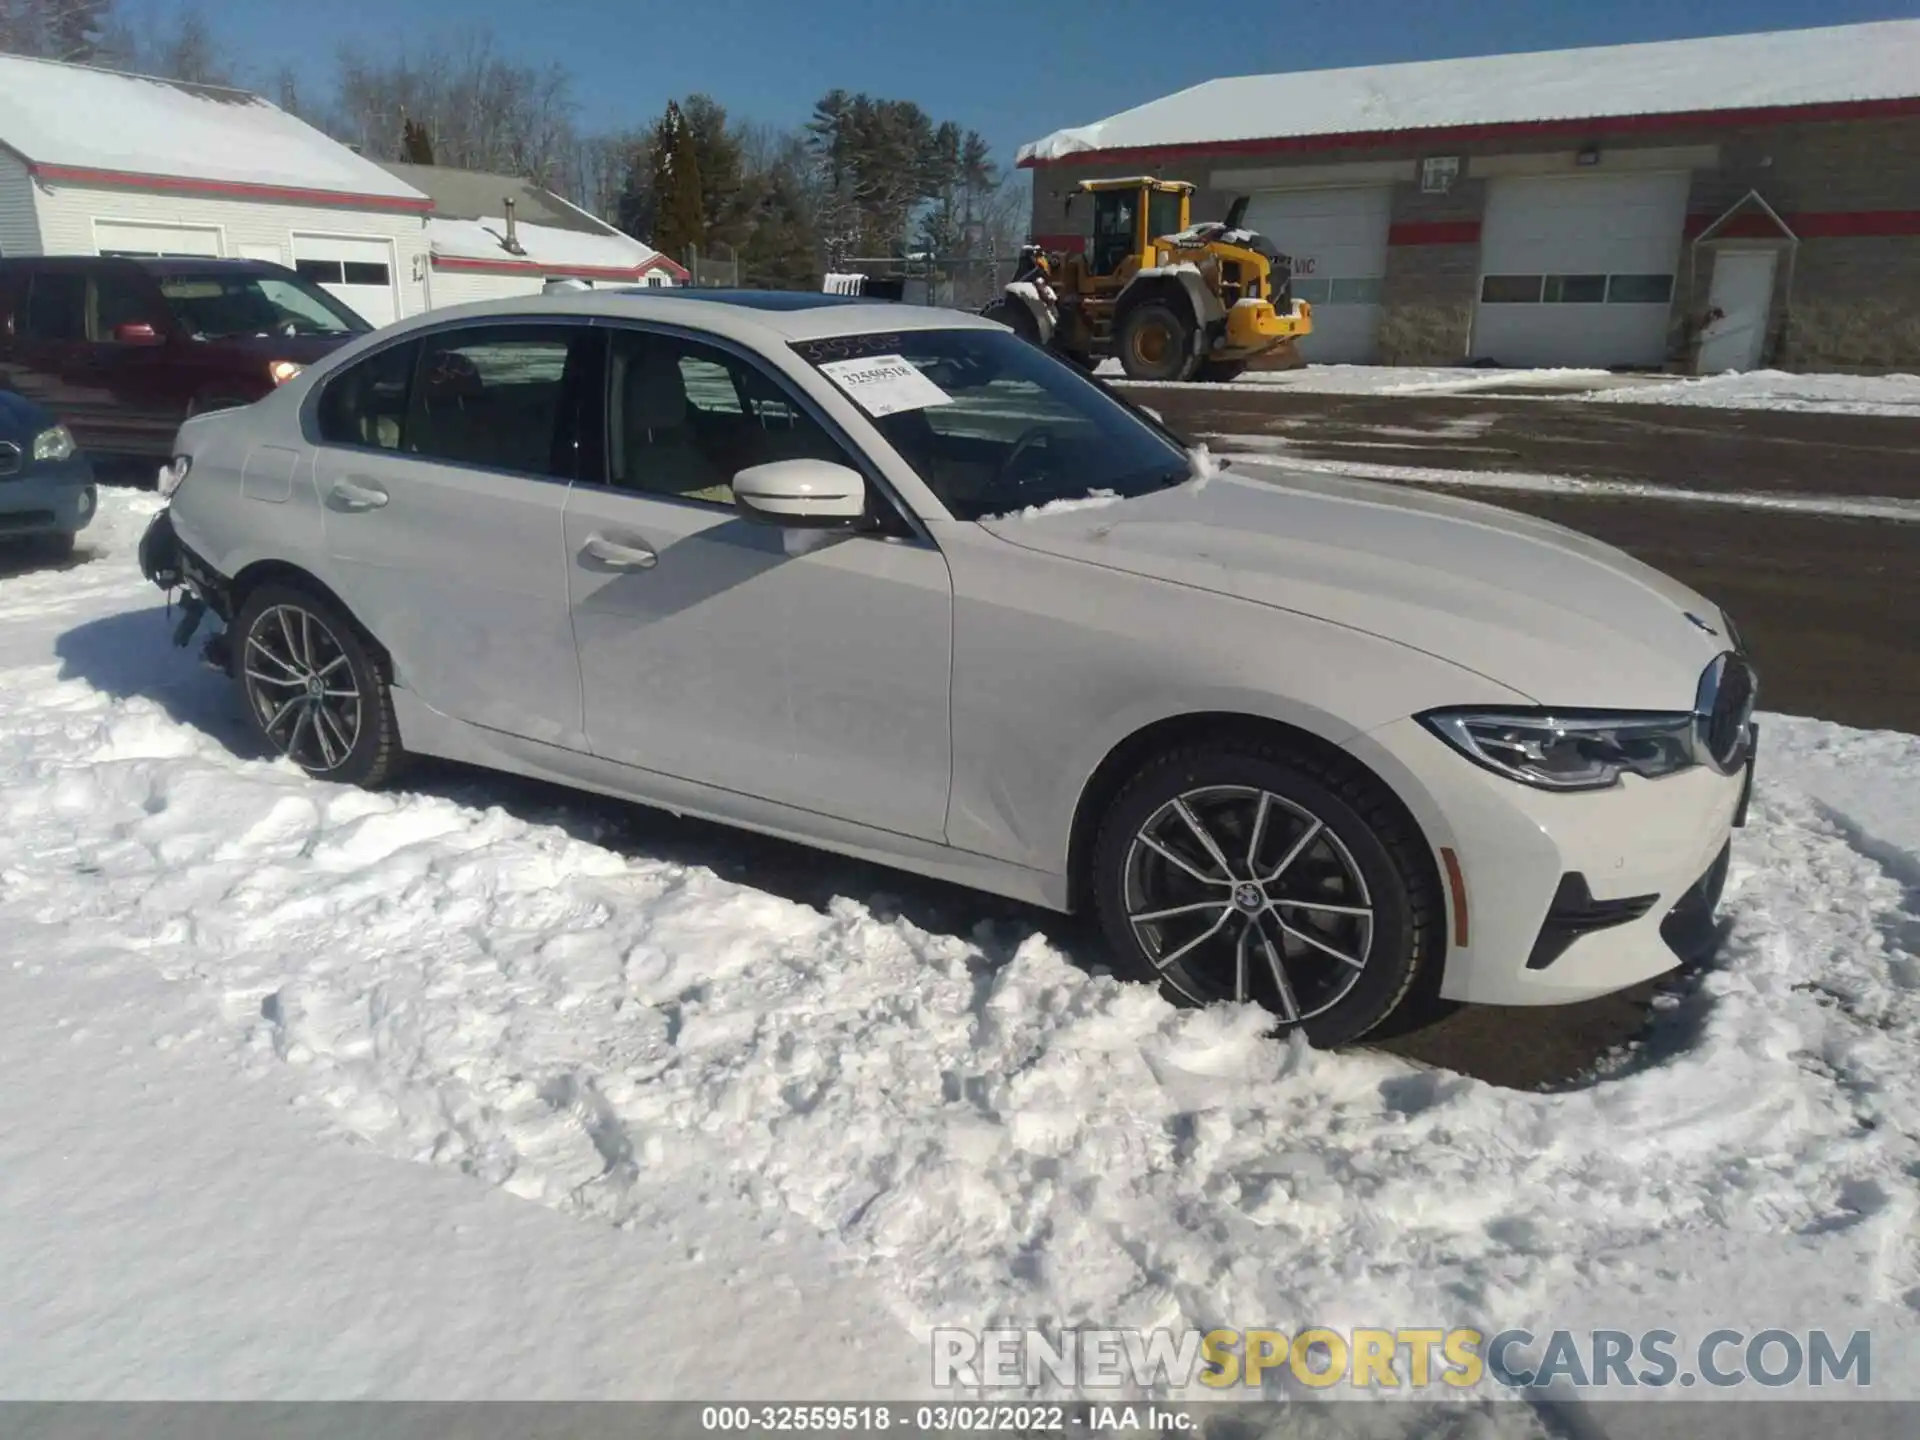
x: 301, y: 686
x: 1236, y: 893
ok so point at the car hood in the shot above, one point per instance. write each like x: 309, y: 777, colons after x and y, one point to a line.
x: 20, y: 418
x: 1543, y: 610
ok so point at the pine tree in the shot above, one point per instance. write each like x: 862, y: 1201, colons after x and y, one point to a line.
x: 679, y: 222
x: 416, y: 145
x: 781, y: 250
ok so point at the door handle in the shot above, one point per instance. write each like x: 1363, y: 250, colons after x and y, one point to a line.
x: 357, y: 495
x: 616, y: 556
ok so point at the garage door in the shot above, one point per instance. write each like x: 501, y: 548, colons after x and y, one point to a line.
x: 116, y: 237
x: 1338, y: 241
x: 1578, y: 269
x: 357, y: 272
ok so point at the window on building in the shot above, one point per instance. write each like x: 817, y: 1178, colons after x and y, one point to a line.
x: 1511, y: 289
x: 497, y: 396
x: 1639, y: 289
x: 1575, y: 289
x: 57, y: 306
x: 320, y: 272
x: 363, y: 272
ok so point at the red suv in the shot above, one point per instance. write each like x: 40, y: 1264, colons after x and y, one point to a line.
x: 122, y: 350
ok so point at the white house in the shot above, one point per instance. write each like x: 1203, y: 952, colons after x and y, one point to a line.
x: 494, y: 236
x: 95, y: 162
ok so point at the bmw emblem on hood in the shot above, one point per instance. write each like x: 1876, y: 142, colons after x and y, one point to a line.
x: 1699, y: 623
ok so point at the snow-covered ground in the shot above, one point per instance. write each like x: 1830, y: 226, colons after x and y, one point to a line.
x: 313, y: 1091
x: 1897, y: 395
x: 1778, y: 390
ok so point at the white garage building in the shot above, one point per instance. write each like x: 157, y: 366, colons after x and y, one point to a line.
x: 94, y: 162
x: 1702, y: 204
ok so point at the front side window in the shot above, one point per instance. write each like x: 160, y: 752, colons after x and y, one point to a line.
x: 57, y: 306
x: 683, y: 418
x: 998, y: 424
x: 120, y: 299
x: 213, y: 306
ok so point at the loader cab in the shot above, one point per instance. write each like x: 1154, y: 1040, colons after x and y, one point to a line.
x: 1128, y: 215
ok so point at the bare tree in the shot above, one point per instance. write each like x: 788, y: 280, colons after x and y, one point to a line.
x: 484, y: 112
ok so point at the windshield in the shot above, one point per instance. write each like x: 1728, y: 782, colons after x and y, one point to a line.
x: 994, y: 424
x: 212, y: 307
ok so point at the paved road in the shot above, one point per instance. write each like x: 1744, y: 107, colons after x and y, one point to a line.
x: 1829, y: 605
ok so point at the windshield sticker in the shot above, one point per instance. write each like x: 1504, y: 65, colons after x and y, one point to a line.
x: 884, y: 385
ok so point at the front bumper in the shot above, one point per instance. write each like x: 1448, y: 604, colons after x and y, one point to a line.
x: 1642, y: 853
x: 1254, y: 325
x: 48, y: 499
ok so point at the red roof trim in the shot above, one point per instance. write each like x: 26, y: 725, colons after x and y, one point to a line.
x: 1434, y: 232
x: 1590, y: 127
x: 578, y: 272
x: 191, y: 185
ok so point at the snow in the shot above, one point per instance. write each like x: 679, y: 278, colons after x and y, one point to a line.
x: 1278, y: 452
x: 1897, y: 395
x: 55, y: 114
x: 1092, y: 500
x: 460, y: 1090
x: 1877, y: 61
x: 546, y: 245
x: 1778, y: 390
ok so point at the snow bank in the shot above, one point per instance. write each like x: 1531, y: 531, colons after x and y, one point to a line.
x: 1778, y: 390
x: 989, y: 1133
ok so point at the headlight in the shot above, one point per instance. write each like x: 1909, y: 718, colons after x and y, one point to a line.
x: 1576, y: 750
x: 283, y: 370
x: 173, y: 472
x: 54, y: 444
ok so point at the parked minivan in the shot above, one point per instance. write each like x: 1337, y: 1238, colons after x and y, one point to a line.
x: 121, y: 350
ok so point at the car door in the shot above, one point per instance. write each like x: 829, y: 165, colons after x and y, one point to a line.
x: 442, y: 475
x: 51, y: 356
x: 139, y: 373
x: 806, y: 668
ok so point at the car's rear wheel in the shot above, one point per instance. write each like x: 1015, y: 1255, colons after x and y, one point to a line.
x: 1238, y: 870
x: 313, y: 688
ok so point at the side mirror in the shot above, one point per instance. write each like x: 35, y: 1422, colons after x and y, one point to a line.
x: 801, y: 494
x: 137, y: 332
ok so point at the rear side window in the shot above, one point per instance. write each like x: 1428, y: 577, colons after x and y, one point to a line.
x: 57, y: 306
x: 502, y: 397
x: 366, y: 404
x: 505, y: 397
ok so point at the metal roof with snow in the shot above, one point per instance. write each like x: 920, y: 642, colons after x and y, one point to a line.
x: 1838, y: 70
x: 85, y: 126
x: 468, y: 228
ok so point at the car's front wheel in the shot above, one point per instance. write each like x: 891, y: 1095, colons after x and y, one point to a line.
x: 1239, y: 870
x: 313, y: 688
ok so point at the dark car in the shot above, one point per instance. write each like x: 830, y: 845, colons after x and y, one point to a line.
x: 122, y: 350
x: 46, y: 484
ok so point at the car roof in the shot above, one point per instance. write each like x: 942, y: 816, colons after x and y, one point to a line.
x: 158, y: 265
x: 766, y: 316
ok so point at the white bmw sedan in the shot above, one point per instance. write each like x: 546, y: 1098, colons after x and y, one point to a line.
x: 892, y: 582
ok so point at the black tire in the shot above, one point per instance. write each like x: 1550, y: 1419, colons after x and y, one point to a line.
x: 1365, y: 855
x: 1218, y: 372
x: 275, y: 656
x: 1014, y: 314
x: 1156, y: 342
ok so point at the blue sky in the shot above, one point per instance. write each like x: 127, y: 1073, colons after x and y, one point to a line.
x: 990, y: 64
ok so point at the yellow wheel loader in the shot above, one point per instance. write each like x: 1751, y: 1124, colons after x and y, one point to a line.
x: 1173, y: 300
